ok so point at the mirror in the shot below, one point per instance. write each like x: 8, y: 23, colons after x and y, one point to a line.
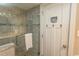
x: 5, y: 27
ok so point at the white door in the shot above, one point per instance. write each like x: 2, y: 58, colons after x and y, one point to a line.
x: 54, y: 25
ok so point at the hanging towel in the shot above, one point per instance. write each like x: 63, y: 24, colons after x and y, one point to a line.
x: 28, y: 40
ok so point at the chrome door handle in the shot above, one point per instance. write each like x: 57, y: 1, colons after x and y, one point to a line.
x: 64, y: 46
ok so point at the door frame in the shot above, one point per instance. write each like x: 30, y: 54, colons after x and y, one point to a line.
x: 71, y: 30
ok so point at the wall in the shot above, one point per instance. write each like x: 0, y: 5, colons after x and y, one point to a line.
x: 76, y: 46
x: 33, y: 26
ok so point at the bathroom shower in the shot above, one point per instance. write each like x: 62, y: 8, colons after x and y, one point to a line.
x: 15, y: 23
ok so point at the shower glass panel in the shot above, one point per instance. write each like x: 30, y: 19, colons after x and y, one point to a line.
x: 33, y: 26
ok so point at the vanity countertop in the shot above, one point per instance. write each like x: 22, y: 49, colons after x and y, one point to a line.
x: 6, y: 46
x: 10, y: 35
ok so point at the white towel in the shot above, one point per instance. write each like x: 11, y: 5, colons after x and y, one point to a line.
x: 28, y: 40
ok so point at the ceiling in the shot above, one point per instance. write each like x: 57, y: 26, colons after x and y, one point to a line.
x: 24, y: 6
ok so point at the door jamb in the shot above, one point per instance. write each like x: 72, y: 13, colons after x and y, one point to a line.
x: 72, y: 29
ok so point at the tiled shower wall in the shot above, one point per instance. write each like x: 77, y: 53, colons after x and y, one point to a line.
x: 33, y: 26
